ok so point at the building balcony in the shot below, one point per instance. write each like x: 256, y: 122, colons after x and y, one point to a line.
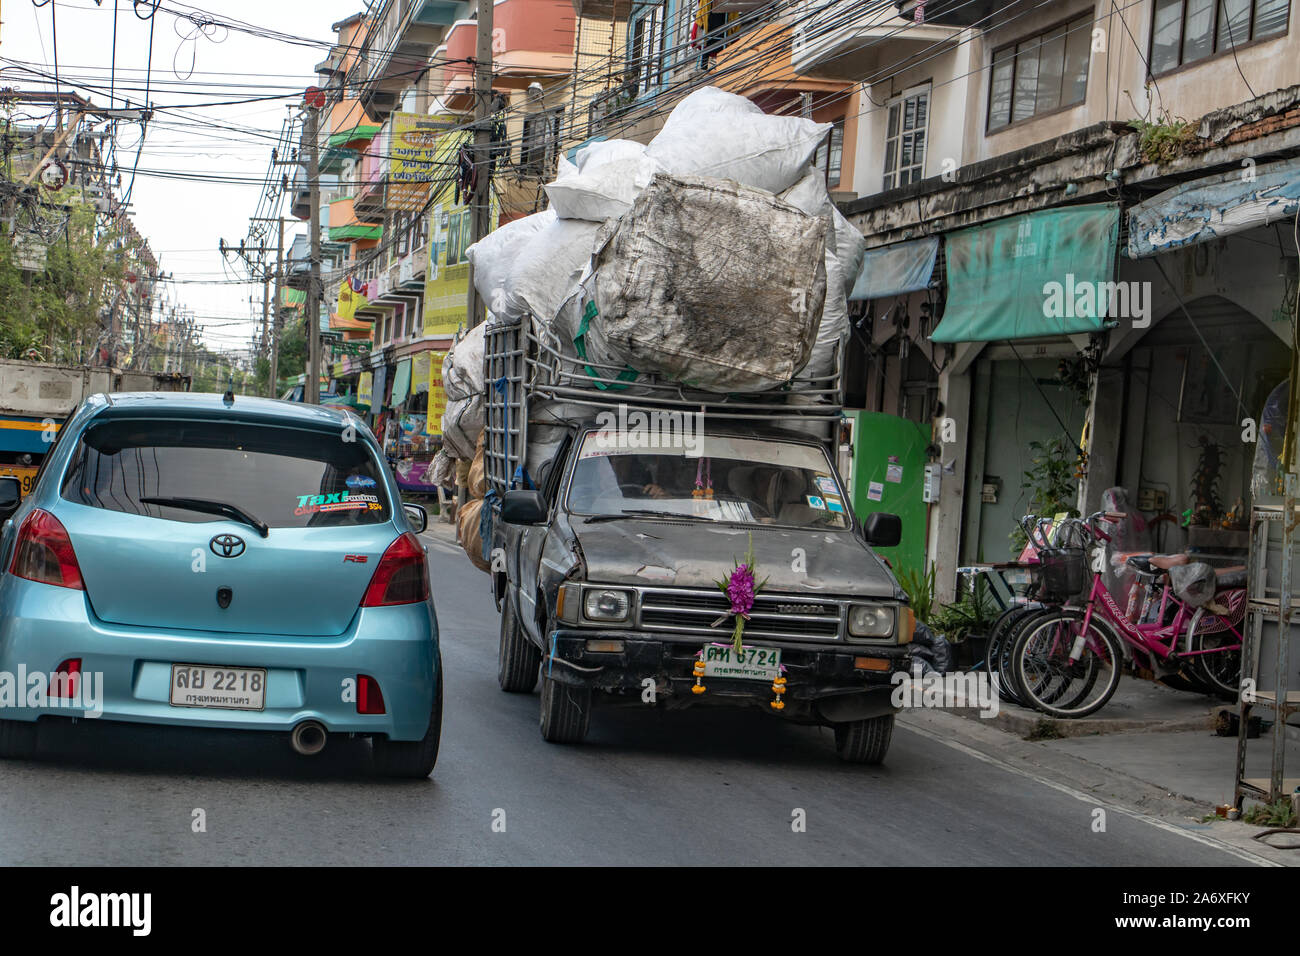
x: 952, y: 13
x: 603, y: 9
x: 346, y: 226
x: 756, y: 66
x: 371, y: 178
x: 397, y: 50
x: 834, y: 44
x: 532, y: 40
x: 349, y: 126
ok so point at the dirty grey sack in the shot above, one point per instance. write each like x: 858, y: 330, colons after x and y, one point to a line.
x: 712, y: 284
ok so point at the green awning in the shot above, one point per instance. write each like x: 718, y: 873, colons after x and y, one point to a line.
x: 1040, y: 274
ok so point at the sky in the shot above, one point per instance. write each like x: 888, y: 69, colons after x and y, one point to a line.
x: 191, y: 63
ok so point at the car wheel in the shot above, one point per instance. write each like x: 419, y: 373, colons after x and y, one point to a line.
x: 517, y: 657
x: 566, y: 712
x: 415, y: 759
x: 17, y: 739
x: 864, y: 741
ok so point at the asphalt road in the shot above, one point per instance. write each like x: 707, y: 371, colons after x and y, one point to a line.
x: 693, y: 787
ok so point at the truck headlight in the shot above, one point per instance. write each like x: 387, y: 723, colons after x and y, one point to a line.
x: 607, y: 605
x: 871, y: 620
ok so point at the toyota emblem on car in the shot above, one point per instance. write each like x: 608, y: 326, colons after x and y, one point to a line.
x: 227, y: 545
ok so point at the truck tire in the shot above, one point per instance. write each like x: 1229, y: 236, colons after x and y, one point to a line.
x: 517, y: 657
x: 566, y: 712
x: 413, y: 759
x: 17, y: 739
x: 864, y: 741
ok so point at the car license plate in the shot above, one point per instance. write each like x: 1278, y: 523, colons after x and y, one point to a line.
x: 230, y: 688
x: 752, y: 663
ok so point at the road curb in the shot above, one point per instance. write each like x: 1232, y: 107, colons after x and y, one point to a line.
x: 1029, y: 725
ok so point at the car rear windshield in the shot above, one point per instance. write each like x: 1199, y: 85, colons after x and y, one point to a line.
x: 285, y: 477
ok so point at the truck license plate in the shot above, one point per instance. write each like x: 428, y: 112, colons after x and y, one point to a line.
x: 230, y: 688
x: 752, y: 663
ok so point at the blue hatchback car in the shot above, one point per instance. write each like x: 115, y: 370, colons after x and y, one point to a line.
x: 194, y: 560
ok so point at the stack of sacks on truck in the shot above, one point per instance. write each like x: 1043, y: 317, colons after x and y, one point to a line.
x: 469, y: 516
x: 713, y: 257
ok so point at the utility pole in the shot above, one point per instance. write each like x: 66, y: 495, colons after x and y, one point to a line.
x: 275, y: 319
x: 265, y: 350
x: 480, y: 205
x: 311, y: 390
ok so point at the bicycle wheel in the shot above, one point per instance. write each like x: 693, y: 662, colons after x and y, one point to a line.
x: 998, y: 632
x: 1218, y: 670
x: 1063, y: 671
x: 1008, y: 689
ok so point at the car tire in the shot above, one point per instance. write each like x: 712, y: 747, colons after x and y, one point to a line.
x: 413, y: 759
x: 566, y: 712
x: 864, y: 741
x: 517, y: 657
x: 17, y: 739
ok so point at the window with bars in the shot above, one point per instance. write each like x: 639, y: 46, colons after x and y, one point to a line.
x: 541, y: 142
x: 1184, y: 31
x: 646, y: 47
x: 1041, y: 73
x: 830, y: 154
x: 906, y: 124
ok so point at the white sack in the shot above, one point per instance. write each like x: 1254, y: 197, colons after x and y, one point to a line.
x: 461, y: 424
x: 712, y: 284
x: 606, y: 185
x: 546, y: 270
x: 462, y: 368
x: 725, y: 136
x: 493, y: 257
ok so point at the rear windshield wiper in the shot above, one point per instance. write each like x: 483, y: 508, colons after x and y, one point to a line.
x: 636, y: 513
x: 212, y: 508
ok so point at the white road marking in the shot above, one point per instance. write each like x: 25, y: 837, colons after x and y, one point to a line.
x: 1092, y: 800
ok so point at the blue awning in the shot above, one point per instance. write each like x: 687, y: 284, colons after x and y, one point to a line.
x: 1214, y: 207
x: 896, y: 270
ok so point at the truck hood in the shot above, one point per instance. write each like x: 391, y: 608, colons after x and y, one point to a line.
x: 686, y: 554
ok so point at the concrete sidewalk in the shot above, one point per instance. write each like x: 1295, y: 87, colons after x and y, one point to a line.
x: 1138, y: 705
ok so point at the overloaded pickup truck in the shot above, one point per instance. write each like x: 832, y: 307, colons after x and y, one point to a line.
x: 617, y: 529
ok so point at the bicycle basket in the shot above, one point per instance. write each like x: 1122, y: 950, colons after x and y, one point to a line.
x: 1062, y: 574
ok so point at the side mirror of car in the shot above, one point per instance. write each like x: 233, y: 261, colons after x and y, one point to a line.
x: 883, y: 530
x: 523, y: 507
x: 11, y: 496
x: 416, y: 516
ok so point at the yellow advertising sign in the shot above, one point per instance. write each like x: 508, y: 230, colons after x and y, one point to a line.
x: 437, y: 395
x: 419, y: 372
x: 365, y: 384
x: 412, y: 142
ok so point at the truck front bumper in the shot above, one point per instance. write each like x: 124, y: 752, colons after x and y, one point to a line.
x: 824, y: 684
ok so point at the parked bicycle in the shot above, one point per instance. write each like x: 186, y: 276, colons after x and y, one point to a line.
x: 1066, y: 661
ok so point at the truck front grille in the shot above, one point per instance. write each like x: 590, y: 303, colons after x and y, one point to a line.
x: 774, y: 615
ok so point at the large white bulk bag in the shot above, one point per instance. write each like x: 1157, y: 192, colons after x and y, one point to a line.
x: 462, y: 368
x: 712, y: 284
x: 547, y: 268
x: 609, y: 176
x: 494, y: 256
x: 725, y: 136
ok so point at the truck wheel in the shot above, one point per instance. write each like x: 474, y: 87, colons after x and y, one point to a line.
x: 517, y: 657
x: 17, y: 739
x: 401, y: 758
x: 566, y: 712
x: 864, y: 741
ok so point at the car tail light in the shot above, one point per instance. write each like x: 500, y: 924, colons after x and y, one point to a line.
x: 66, y: 678
x: 402, y: 576
x: 370, y: 699
x: 44, y: 552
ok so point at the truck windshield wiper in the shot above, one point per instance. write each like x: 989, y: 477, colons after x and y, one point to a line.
x: 212, y: 508
x: 636, y: 513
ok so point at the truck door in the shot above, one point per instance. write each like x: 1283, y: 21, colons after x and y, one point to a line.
x: 532, y: 543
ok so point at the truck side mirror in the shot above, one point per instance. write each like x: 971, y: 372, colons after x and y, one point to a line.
x: 523, y: 507
x: 883, y: 530
x: 11, y: 496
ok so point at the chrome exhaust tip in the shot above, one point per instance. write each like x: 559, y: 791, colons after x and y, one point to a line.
x: 309, y: 738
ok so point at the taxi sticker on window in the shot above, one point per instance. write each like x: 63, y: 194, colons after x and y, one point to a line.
x: 339, y: 501
x: 826, y: 485
x: 359, y: 481
x: 815, y: 502
x: 835, y: 504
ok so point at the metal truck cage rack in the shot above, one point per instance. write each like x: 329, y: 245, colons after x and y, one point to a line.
x: 523, y: 363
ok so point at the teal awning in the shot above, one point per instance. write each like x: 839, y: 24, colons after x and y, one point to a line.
x: 401, y: 382
x: 896, y: 270
x: 1039, y: 274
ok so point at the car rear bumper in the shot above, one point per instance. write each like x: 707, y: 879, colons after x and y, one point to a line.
x: 308, y: 678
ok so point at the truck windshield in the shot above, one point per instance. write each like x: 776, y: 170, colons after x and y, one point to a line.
x: 721, y: 478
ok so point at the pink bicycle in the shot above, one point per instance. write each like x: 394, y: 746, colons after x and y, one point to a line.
x: 1067, y: 662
